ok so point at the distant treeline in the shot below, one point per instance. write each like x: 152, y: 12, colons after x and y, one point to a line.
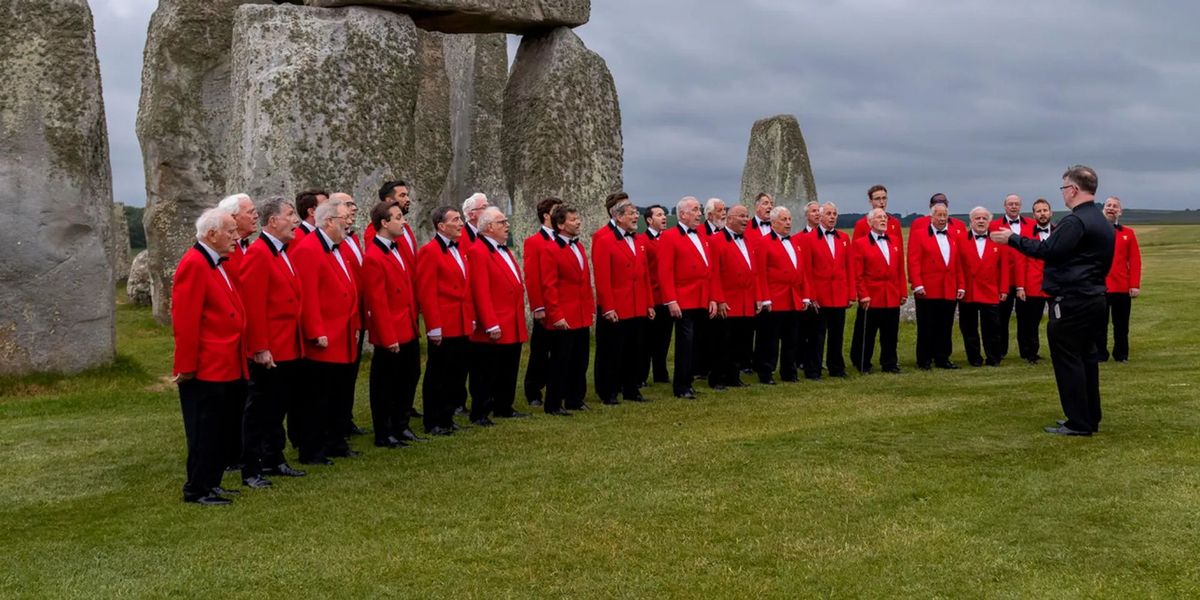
x: 137, y: 233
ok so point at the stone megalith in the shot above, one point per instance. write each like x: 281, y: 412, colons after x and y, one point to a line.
x: 56, y: 283
x: 431, y: 144
x: 562, y: 130
x: 118, y: 242
x: 137, y: 286
x: 183, y: 121
x: 478, y: 69
x: 777, y: 163
x: 329, y: 98
x: 482, y: 16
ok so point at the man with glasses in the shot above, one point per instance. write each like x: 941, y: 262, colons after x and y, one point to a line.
x: 623, y: 303
x: 1077, y: 257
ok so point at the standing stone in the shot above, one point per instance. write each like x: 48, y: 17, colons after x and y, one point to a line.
x: 183, y: 121
x: 562, y: 130
x: 777, y: 163
x: 431, y: 142
x: 118, y: 242
x: 329, y: 98
x: 137, y: 287
x: 56, y: 285
x: 478, y: 70
x: 482, y: 16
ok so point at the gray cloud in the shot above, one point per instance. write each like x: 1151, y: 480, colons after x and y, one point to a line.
x: 976, y: 99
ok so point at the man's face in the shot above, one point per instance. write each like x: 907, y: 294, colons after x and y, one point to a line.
x: 1042, y: 213
x: 1012, y: 206
x: 979, y: 222
x: 498, y: 229
x: 813, y: 215
x: 717, y: 215
x: 351, y: 215
x: 879, y: 222
x: 283, y: 225
x: 939, y: 215
x: 570, y: 227
x: 627, y: 218
x: 336, y: 230
x: 1069, y: 191
x: 1112, y: 210
x: 658, y: 219
x: 400, y: 195
x: 473, y: 214
x: 689, y: 213
x: 879, y: 199
x: 737, y: 218
x: 782, y: 224
x: 762, y: 208
x: 829, y: 216
x: 247, y: 218
x: 451, y: 226
x: 395, y: 222
x: 223, y: 238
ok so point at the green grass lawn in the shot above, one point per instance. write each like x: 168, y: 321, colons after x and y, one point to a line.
x: 923, y: 484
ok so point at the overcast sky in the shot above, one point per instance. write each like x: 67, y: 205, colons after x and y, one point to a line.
x: 976, y: 99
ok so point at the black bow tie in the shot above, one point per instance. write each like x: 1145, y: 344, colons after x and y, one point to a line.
x: 1043, y: 230
x: 283, y: 247
x: 502, y: 247
x: 334, y: 247
x: 831, y: 232
x: 942, y: 232
x: 244, y: 243
x: 981, y: 236
x: 737, y: 236
x: 1014, y: 221
x: 689, y: 230
x: 572, y: 242
x: 450, y: 245
x: 391, y: 246
x: 784, y: 238
x: 629, y: 234
x: 881, y: 237
x: 222, y: 259
x: 1118, y: 226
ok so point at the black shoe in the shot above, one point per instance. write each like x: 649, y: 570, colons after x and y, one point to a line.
x: 768, y: 380
x: 638, y: 397
x: 893, y: 370
x: 286, y: 470
x: 559, y: 413
x: 234, y: 468
x: 1064, y: 430
x: 318, y: 460
x: 738, y: 383
x: 534, y: 403
x: 947, y: 365
x: 220, y: 491
x: 258, y: 482
x: 408, y: 436
x: 356, y: 430
x: 582, y: 406
x: 813, y: 377
x: 975, y: 363
x: 688, y: 395
x: 1122, y: 360
x: 643, y: 384
x: 390, y: 441
x: 841, y: 374
x: 347, y: 453
x: 924, y: 367
x: 461, y: 411
x: 662, y: 379
x: 484, y: 422
x: 209, y: 499
x: 717, y: 388
x: 747, y: 371
x: 414, y: 414
x: 610, y: 401
x: 440, y: 431
x: 866, y: 371
x: 456, y: 427
x: 1063, y: 422
x: 513, y: 415
x: 789, y: 379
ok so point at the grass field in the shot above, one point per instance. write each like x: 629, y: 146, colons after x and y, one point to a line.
x: 924, y: 484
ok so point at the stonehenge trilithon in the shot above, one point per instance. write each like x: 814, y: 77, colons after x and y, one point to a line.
x: 482, y: 16
x: 56, y: 282
x: 777, y: 163
x: 478, y: 69
x: 562, y: 129
x: 118, y: 243
x: 183, y: 119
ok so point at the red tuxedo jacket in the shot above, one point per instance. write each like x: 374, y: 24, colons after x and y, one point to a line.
x: 499, y: 295
x: 208, y: 320
x: 829, y: 275
x: 622, y: 277
x: 301, y: 232
x: 874, y: 277
x: 785, y: 285
x: 444, y: 290
x: 535, y: 246
x: 273, y: 298
x: 735, y: 281
x: 753, y: 231
x: 942, y: 280
x: 1126, y: 270
x: 349, y: 255
x: 407, y: 246
x: 650, y: 242
x: 233, y: 265
x: 683, y: 275
x: 987, y: 277
x: 566, y: 286
x: 1016, y: 260
x: 1029, y: 276
x: 391, y: 305
x: 330, y: 301
x: 921, y: 223
x: 894, y: 231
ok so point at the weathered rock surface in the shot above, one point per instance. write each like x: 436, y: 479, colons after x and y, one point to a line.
x: 137, y: 287
x: 183, y: 121
x: 118, y: 243
x: 482, y: 16
x: 562, y: 129
x: 477, y: 66
x: 777, y: 163
x: 330, y: 98
x: 56, y: 286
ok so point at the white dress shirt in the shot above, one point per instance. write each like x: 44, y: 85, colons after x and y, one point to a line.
x: 883, y: 247
x: 695, y: 238
x: 336, y: 255
x: 216, y: 258
x: 279, y: 248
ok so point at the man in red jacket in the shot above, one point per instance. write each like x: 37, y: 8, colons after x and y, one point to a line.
x: 391, y: 307
x: 781, y: 273
x: 498, y: 290
x: 444, y: 296
x: 760, y: 223
x: 832, y: 288
x: 208, y: 320
x: 1124, y: 283
x: 272, y: 294
x: 241, y: 208
x: 937, y: 284
x: 1022, y: 226
x: 536, y: 370
x: 685, y: 281
x: 397, y: 191
x: 306, y: 207
x: 877, y: 195
x: 877, y: 267
x: 330, y: 323
x: 352, y: 255
x: 1029, y: 288
x: 738, y: 295
x: 570, y: 309
x: 623, y: 304
x: 957, y: 228
x: 985, y: 269
x: 658, y: 330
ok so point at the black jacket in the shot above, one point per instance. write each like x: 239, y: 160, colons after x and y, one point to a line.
x: 1077, y: 255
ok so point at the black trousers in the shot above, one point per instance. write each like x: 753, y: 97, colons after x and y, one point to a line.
x: 205, y: 406
x: 686, y: 348
x: 333, y: 386
x: 445, y: 384
x: 393, y: 381
x: 620, y: 357
x: 1004, y: 317
x: 735, y: 339
x: 1072, y: 334
x: 1118, y: 309
x: 494, y: 383
x: 975, y: 319
x: 806, y: 329
x: 658, y: 344
x: 270, y: 395
x: 569, y: 350
x: 348, y: 406
x: 882, y: 322
x: 1029, y: 321
x: 825, y: 343
x: 309, y: 414
x: 935, y: 329
x: 777, y: 346
x: 539, y: 362
x: 703, y: 346
x: 231, y: 423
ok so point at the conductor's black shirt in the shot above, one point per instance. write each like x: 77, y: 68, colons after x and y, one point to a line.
x: 1077, y: 255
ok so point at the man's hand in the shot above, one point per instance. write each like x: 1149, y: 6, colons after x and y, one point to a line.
x: 816, y: 306
x: 323, y: 342
x: 560, y: 324
x: 650, y: 313
x: 864, y: 303
x: 394, y: 348
x: 723, y: 309
x: 265, y: 359
x: 959, y: 294
x: 495, y: 335
x: 673, y: 308
x: 611, y: 316
x: 919, y: 292
x: 712, y: 309
x: 1003, y: 296
x: 1000, y: 236
x: 436, y: 340
x: 539, y: 314
x: 1133, y: 292
x: 182, y: 377
x: 1021, y: 294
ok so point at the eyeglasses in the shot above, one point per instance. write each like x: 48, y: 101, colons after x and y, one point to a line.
x: 1069, y: 185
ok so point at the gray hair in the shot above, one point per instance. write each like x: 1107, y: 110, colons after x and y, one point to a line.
x: 871, y: 214
x: 327, y: 211
x: 210, y: 220
x: 232, y: 205
x: 811, y: 203
x: 980, y: 209
x: 829, y: 205
x: 685, y: 200
x: 490, y: 215
x: 619, y: 208
x: 271, y: 208
x: 778, y: 210
x: 468, y: 205
x: 712, y: 203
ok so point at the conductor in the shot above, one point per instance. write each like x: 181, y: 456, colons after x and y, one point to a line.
x: 1077, y: 258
